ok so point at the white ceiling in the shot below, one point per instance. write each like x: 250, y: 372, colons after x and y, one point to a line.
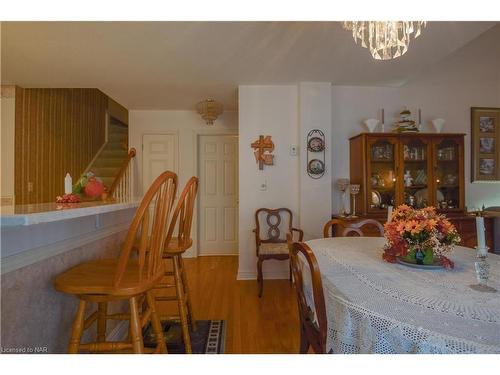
x: 173, y: 65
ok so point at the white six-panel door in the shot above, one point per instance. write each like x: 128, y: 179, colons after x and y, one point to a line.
x: 159, y: 154
x: 218, y: 194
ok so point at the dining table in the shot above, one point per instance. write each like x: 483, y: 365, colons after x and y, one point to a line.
x: 373, y: 306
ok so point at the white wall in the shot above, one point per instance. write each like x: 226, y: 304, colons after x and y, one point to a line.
x: 469, y: 77
x: 7, y: 104
x: 287, y: 113
x: 266, y: 110
x: 315, y: 112
x: 186, y: 125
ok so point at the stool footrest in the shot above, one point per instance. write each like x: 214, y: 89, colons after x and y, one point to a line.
x: 105, y: 346
x: 164, y: 299
x: 91, y: 319
x: 175, y: 318
x: 163, y: 286
x: 118, y: 316
x: 146, y: 317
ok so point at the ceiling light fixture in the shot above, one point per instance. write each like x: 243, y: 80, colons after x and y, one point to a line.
x: 385, y: 39
x: 209, y: 109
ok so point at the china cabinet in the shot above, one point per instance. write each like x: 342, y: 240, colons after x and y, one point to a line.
x: 422, y: 169
x: 418, y: 169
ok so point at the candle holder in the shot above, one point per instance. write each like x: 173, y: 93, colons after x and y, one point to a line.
x: 343, y: 184
x: 482, y: 270
x: 354, y: 189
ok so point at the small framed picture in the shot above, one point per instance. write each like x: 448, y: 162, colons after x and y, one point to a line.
x: 487, y: 124
x: 487, y: 145
x: 485, y: 138
x: 487, y: 166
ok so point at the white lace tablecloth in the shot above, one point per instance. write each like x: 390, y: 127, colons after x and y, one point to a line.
x: 378, y: 307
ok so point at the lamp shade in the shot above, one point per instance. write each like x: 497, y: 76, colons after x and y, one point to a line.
x: 209, y: 109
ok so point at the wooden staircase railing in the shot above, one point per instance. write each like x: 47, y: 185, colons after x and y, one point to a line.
x: 121, y: 189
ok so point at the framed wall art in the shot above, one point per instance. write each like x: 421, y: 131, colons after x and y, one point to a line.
x: 485, y: 147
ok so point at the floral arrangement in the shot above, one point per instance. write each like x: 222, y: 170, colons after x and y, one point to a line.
x: 421, y: 236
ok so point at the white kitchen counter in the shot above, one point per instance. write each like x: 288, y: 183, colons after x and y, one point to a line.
x: 33, y: 233
x: 30, y: 214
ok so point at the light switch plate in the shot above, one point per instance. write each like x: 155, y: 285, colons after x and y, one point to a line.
x: 294, y: 150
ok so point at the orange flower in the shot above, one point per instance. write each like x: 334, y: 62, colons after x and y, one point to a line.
x: 430, y: 224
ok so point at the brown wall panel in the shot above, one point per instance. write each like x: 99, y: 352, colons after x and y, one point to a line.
x: 57, y: 131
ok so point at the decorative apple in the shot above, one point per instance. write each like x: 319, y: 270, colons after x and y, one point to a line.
x: 93, y: 188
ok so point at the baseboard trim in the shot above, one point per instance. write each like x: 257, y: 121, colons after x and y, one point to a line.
x: 252, y: 275
x: 119, y: 333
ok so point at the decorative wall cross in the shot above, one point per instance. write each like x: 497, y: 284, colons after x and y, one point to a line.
x: 264, y: 146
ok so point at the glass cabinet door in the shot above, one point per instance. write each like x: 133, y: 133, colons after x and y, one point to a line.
x: 415, y: 162
x: 381, y: 191
x: 447, y: 174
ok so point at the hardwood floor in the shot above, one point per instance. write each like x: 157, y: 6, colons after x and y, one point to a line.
x: 254, y: 325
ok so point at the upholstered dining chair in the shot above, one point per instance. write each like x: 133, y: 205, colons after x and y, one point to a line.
x: 125, y: 278
x: 271, y: 228
x: 312, y: 314
x: 355, y: 228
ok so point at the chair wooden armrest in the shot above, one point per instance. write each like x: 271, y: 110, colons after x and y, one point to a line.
x: 300, y: 232
x: 328, y: 227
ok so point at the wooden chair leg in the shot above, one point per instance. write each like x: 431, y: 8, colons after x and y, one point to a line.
x: 182, y: 306
x: 155, y: 322
x: 76, y: 331
x: 290, y: 271
x: 260, y: 278
x: 102, y: 311
x: 135, y: 327
x: 185, y: 285
x: 304, y: 342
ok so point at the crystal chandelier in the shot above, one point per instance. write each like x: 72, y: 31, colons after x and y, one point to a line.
x: 385, y: 39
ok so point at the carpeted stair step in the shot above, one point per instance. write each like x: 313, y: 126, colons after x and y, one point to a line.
x: 108, y: 162
x: 107, y: 181
x: 117, y: 137
x: 106, y: 171
x: 118, y: 129
x: 114, y: 153
x: 115, y: 146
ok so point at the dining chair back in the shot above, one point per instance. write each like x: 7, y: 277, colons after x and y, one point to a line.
x: 272, y: 226
x: 312, y: 314
x: 353, y: 228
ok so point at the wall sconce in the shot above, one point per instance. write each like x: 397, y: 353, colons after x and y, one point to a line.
x: 209, y: 109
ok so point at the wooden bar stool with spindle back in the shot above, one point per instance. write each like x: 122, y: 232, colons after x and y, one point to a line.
x: 125, y: 278
x: 173, y: 250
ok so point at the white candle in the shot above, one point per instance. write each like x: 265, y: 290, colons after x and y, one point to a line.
x: 481, y: 240
x: 68, y: 184
x: 389, y: 213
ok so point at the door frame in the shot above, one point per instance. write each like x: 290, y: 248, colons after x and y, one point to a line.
x: 196, y: 141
